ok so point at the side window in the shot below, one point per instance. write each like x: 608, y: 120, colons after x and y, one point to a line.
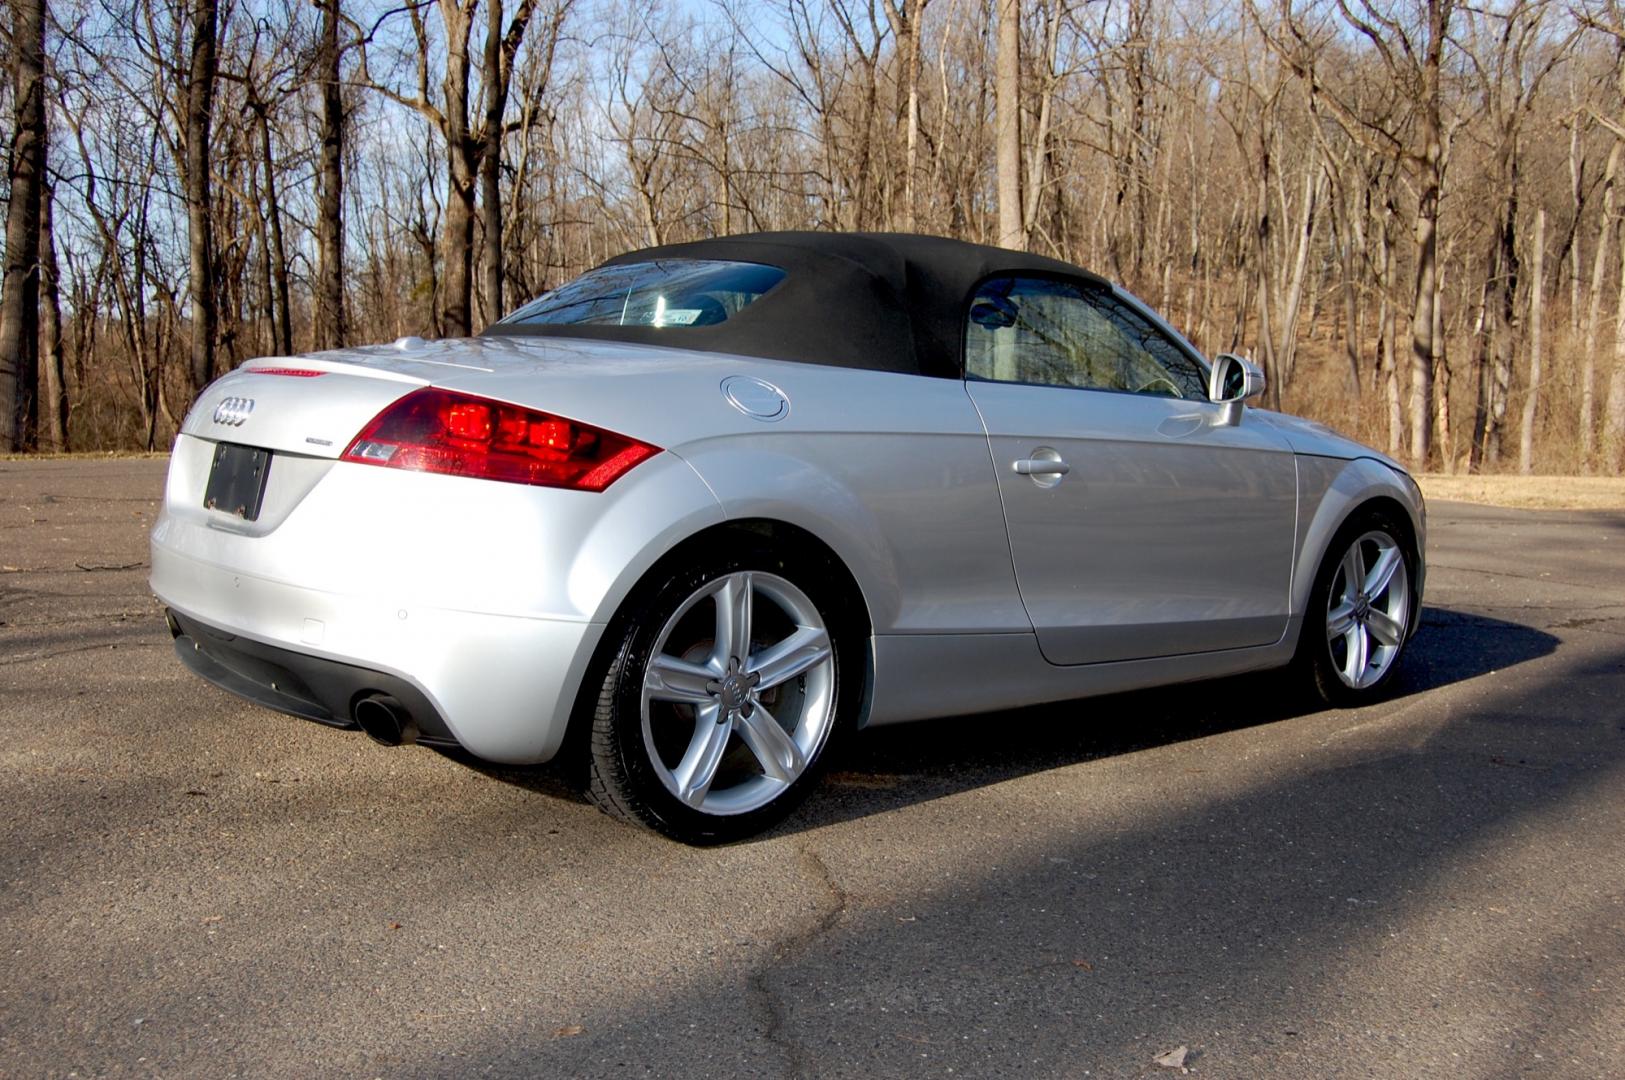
x: 1059, y: 333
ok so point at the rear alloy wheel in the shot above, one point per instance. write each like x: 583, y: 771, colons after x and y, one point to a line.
x: 721, y: 701
x: 1359, y: 614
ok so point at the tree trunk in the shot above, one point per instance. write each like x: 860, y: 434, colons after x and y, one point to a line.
x: 51, y: 422
x: 19, y: 294
x: 1388, y: 362
x: 1429, y: 166
x: 1039, y: 157
x: 1422, y: 323
x: 330, y: 328
x: 1292, y: 303
x: 494, y: 91
x: 1537, y: 290
x: 1441, y: 377
x: 905, y: 24
x: 1484, y: 333
x: 1499, y: 317
x: 1007, y: 130
x: 1599, y: 270
x: 1346, y: 283
x: 1505, y: 314
x: 282, y: 324
x: 1613, y: 423
x: 457, y: 231
x: 500, y: 49
x: 199, y: 212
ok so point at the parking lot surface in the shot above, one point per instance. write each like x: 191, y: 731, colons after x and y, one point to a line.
x: 1433, y: 886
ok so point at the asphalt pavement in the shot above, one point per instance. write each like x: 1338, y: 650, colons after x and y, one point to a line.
x: 1429, y: 887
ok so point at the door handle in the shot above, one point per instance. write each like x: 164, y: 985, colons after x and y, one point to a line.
x: 1042, y: 467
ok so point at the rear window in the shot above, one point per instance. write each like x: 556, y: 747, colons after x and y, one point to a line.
x: 670, y: 293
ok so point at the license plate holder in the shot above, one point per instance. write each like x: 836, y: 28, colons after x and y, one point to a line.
x: 237, y: 480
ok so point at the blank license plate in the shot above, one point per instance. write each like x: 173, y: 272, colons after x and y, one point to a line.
x: 237, y: 480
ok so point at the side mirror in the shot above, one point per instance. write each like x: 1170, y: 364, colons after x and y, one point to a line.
x: 993, y: 312
x: 1233, y: 382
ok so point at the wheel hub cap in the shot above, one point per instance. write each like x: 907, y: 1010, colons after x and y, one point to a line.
x: 735, y: 691
x: 1369, y: 609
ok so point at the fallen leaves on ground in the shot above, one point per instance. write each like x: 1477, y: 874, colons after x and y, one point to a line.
x: 1173, y: 1059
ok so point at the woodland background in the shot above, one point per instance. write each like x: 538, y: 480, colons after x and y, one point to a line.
x: 1408, y: 211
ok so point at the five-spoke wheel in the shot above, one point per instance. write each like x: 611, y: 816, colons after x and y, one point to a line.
x: 724, y: 693
x: 1363, y: 599
x: 739, y: 693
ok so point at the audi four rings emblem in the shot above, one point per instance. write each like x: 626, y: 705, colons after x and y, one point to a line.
x: 233, y: 411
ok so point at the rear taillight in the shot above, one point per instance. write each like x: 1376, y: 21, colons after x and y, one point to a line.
x: 442, y: 432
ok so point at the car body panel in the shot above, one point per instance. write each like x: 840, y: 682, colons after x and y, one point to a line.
x: 891, y: 471
x: 1104, y: 553
x: 1332, y: 490
x: 918, y: 677
x: 315, y: 416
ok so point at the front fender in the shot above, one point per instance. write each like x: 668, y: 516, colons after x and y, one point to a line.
x: 1332, y: 489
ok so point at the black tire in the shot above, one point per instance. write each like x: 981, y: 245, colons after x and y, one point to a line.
x: 632, y: 776
x: 1323, y: 660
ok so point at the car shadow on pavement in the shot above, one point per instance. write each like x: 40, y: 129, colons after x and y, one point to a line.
x: 1369, y: 901
x: 894, y: 766
x: 889, y: 767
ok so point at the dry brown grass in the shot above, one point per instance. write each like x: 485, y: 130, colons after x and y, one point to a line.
x: 1528, y: 492
x: 88, y: 455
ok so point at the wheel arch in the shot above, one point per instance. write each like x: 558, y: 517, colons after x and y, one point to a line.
x: 1333, y: 493
x: 751, y: 530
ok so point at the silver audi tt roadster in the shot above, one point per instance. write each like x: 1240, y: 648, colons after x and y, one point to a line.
x: 701, y: 513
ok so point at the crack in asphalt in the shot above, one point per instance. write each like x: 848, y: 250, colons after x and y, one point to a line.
x: 774, y: 1029
x: 28, y: 658
x: 1582, y: 618
x: 1544, y: 580
x: 50, y: 622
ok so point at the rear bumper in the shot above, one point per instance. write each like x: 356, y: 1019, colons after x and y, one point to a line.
x: 296, y: 683
x: 501, y: 687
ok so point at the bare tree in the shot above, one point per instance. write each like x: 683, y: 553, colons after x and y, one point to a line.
x: 1259, y: 195
x: 329, y: 320
x: 19, y: 295
x: 199, y: 212
x: 905, y: 25
x: 52, y: 412
x: 473, y: 152
x: 1007, y: 111
x: 1499, y: 55
x: 1537, y: 291
x: 1411, y: 47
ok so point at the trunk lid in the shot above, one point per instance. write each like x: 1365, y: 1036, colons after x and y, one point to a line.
x: 311, y: 405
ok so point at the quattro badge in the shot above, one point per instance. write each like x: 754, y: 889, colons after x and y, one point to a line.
x: 233, y: 411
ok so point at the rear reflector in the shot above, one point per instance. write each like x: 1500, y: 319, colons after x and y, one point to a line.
x: 439, y: 431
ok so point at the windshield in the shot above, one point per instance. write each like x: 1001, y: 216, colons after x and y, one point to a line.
x: 660, y: 293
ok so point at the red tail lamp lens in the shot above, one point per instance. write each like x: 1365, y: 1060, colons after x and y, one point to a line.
x: 470, y: 420
x: 442, y: 432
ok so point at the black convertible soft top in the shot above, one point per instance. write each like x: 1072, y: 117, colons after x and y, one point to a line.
x: 876, y: 301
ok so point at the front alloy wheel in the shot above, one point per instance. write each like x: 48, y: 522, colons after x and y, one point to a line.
x: 1360, y: 612
x: 1368, y: 610
x: 725, y: 691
